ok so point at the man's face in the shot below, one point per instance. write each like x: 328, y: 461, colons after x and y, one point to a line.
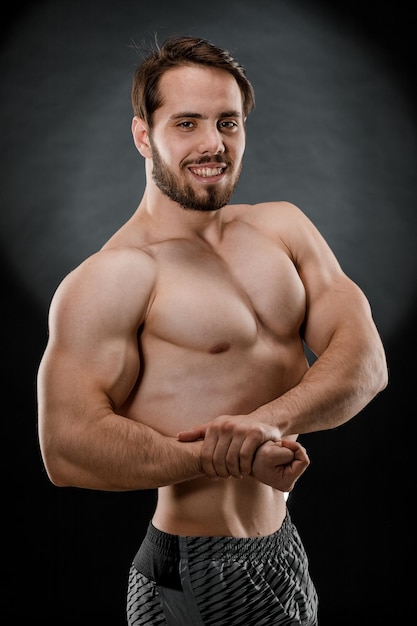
x: 198, y: 137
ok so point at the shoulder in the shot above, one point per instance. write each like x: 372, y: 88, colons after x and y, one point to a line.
x: 112, y: 267
x: 285, y: 222
x: 109, y: 279
x: 278, y: 211
x: 279, y: 218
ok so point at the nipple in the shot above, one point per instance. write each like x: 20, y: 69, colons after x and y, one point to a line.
x: 220, y: 347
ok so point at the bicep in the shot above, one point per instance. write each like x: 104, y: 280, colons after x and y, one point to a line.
x: 88, y: 377
x: 92, y: 361
x: 335, y: 305
x: 82, y: 378
x: 337, y: 309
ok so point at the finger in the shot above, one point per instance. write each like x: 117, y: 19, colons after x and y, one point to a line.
x: 192, y: 434
x: 217, y: 440
x: 249, y: 447
x: 233, y: 457
x: 286, y: 455
x: 280, y: 455
x: 300, y: 453
x: 290, y: 443
x: 213, y: 453
x: 225, y: 460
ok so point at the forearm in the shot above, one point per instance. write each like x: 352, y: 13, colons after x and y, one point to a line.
x: 334, y: 389
x: 118, y: 454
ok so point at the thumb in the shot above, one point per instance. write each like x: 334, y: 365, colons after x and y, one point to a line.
x: 192, y: 434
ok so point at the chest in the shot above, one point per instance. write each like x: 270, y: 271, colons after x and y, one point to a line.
x: 213, y: 299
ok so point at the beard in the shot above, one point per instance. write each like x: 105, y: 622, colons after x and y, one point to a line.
x: 211, y: 198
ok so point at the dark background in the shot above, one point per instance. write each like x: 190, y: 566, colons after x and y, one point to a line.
x: 334, y: 131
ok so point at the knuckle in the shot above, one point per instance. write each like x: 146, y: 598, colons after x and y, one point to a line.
x: 227, y: 426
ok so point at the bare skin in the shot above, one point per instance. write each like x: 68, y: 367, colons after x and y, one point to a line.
x: 175, y: 356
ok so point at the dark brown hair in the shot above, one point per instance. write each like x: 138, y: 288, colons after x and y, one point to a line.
x: 175, y: 52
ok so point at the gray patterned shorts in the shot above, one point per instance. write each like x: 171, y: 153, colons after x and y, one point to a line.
x: 221, y: 581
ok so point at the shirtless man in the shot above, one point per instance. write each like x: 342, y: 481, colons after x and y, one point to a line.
x: 175, y: 359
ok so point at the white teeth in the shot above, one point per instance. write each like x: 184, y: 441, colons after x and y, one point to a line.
x: 205, y: 172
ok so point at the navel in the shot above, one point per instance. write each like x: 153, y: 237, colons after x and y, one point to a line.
x: 220, y: 347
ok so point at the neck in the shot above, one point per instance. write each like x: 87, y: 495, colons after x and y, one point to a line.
x: 169, y: 218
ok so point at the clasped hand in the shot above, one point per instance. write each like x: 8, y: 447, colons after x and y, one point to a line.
x: 237, y: 446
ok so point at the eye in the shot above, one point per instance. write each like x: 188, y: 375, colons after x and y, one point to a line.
x: 186, y: 125
x: 228, y: 125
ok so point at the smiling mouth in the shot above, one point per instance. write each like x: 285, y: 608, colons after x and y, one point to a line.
x: 207, y: 172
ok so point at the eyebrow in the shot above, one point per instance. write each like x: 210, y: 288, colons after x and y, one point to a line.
x: 198, y: 116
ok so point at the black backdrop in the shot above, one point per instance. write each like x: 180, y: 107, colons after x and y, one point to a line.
x: 334, y: 131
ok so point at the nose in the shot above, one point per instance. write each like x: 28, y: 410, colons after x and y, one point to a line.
x: 211, y: 141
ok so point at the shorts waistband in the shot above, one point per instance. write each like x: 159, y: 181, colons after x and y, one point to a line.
x: 172, y: 546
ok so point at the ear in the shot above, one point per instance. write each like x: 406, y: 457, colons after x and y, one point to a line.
x: 141, y: 137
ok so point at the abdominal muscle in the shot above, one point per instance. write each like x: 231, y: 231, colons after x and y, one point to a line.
x: 220, y: 507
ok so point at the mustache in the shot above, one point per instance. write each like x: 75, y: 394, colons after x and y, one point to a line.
x: 215, y: 158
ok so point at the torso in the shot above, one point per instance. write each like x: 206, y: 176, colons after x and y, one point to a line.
x: 222, y: 336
